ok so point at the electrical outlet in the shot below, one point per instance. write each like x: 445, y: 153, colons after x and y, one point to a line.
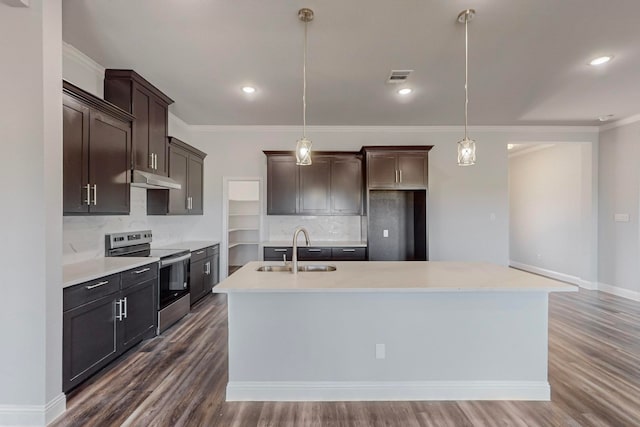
x: 385, y: 233
x: 621, y: 217
x: 381, y: 351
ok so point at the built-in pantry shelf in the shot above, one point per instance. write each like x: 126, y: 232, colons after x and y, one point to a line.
x: 243, y: 222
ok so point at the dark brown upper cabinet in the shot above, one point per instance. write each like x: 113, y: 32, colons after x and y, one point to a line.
x: 331, y: 185
x: 131, y: 92
x: 186, y: 166
x: 282, y: 184
x: 397, y: 167
x: 96, y: 155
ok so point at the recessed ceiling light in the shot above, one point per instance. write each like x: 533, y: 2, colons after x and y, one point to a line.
x: 600, y: 60
x: 249, y: 89
x: 405, y: 91
x: 605, y: 118
x: 510, y: 146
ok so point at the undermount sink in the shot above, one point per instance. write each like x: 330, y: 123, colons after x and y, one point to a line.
x: 316, y: 267
x: 301, y: 268
x: 275, y: 268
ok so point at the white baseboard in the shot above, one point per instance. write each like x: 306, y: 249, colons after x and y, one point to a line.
x: 618, y: 291
x: 33, y: 415
x: 322, y: 391
x: 574, y: 280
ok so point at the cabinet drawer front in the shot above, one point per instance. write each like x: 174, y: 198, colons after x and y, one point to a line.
x: 349, y: 254
x: 87, y: 292
x: 139, y: 275
x: 275, y: 253
x: 198, y: 255
x: 314, y: 254
x: 213, y: 250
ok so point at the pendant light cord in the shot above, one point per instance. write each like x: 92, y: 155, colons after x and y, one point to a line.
x: 304, y: 85
x: 466, y: 72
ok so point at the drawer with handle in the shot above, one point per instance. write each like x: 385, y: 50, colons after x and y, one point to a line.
x: 198, y: 255
x: 213, y: 250
x: 274, y: 253
x: 75, y: 296
x: 314, y: 254
x: 349, y: 254
x: 138, y: 275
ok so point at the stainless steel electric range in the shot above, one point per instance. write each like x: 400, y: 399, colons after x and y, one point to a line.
x: 173, y: 284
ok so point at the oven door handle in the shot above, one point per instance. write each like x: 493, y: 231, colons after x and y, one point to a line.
x: 172, y: 261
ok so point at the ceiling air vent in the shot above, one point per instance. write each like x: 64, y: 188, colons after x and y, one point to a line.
x: 399, y: 76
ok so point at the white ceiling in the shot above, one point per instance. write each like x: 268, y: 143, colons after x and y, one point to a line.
x: 528, y: 58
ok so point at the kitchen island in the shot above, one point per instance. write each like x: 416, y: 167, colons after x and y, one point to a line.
x: 388, y: 331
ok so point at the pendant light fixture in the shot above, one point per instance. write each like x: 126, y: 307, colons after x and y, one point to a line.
x: 466, y: 147
x: 303, y: 146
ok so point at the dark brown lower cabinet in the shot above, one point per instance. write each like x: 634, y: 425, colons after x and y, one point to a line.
x: 141, y: 313
x: 104, y: 318
x: 310, y: 253
x: 204, y: 272
x: 89, y: 340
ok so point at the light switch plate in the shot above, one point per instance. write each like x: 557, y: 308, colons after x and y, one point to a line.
x: 385, y: 233
x: 621, y: 217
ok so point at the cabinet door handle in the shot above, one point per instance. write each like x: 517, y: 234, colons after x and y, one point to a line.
x: 125, y: 307
x: 191, y: 203
x: 400, y: 173
x: 207, y: 268
x: 144, y: 270
x: 151, y: 160
x: 348, y: 250
x: 396, y: 175
x: 314, y: 250
x: 95, y: 194
x: 88, y: 199
x: 279, y: 250
x: 155, y: 161
x: 119, y: 310
x: 199, y: 253
x: 97, y: 285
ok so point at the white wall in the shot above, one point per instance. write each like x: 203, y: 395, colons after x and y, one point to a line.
x: 31, y: 169
x: 549, y: 219
x: 619, y: 252
x: 462, y: 200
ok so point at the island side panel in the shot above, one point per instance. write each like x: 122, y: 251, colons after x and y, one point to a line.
x: 450, y: 345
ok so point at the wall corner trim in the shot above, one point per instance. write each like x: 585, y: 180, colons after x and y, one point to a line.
x: 326, y: 391
x: 33, y: 415
x: 618, y: 291
x: 71, y: 51
x: 574, y: 280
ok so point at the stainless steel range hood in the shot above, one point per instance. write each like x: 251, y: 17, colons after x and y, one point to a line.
x: 152, y: 181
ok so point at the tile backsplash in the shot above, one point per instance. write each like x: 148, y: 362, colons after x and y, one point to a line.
x: 338, y: 228
x: 83, y: 236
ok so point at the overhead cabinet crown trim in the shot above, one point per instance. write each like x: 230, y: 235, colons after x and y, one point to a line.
x: 93, y: 101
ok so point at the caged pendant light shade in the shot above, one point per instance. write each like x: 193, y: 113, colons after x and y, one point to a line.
x: 303, y: 146
x: 466, y: 147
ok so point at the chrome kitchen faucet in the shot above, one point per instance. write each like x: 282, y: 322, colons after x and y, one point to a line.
x: 294, y: 256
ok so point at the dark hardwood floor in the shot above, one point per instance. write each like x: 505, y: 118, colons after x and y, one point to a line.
x: 179, y: 379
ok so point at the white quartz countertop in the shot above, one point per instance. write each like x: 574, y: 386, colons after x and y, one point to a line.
x: 190, y: 245
x: 391, y: 276
x: 73, y: 274
x: 317, y: 243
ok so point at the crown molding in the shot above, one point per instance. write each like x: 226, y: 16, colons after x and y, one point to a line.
x: 391, y: 129
x: 72, y: 52
x: 619, y: 123
x: 529, y: 150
